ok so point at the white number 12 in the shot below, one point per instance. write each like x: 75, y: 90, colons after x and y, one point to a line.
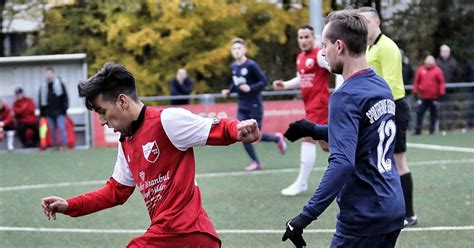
x: 386, y: 130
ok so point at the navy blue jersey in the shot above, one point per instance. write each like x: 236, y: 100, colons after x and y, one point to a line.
x: 248, y: 73
x: 362, y: 172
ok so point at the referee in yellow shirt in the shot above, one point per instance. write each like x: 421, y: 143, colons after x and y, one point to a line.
x: 383, y: 55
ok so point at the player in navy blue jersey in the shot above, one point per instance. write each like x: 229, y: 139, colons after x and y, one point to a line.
x: 248, y: 81
x: 361, y: 174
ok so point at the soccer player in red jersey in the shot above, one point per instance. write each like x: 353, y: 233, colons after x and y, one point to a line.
x: 313, y: 80
x: 155, y: 154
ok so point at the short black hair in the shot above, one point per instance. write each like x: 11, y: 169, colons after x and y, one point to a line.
x: 49, y: 69
x: 18, y: 90
x: 350, y: 27
x: 111, y: 81
x: 307, y: 26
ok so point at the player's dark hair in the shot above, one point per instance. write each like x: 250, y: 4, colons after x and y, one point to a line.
x: 307, y: 26
x: 111, y: 81
x: 367, y: 9
x: 49, y: 69
x: 350, y: 27
x: 238, y: 41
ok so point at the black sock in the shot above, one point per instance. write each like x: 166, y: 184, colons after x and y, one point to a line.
x: 407, y: 186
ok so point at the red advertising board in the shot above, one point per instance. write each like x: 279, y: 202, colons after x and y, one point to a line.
x: 277, y: 116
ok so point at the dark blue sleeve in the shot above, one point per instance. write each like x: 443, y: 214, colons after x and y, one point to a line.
x: 187, y: 86
x: 344, y: 118
x: 261, y: 78
x: 232, y: 88
x: 174, y: 90
x: 320, y: 132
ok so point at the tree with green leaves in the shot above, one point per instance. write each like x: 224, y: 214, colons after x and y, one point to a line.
x: 154, y: 38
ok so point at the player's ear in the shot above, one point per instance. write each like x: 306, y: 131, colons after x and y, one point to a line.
x: 340, y: 46
x: 123, y: 101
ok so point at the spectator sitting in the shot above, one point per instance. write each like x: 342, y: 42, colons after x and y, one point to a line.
x: 7, y: 125
x: 429, y: 86
x: 181, y: 85
x: 24, y: 109
x: 448, y: 64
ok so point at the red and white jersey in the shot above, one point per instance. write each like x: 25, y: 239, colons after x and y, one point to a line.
x: 314, y: 86
x: 158, y: 159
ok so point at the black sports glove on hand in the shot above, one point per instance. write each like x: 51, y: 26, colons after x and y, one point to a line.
x: 299, y: 129
x: 294, y: 230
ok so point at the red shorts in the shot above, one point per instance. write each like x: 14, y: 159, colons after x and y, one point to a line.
x: 318, y: 116
x: 188, y: 240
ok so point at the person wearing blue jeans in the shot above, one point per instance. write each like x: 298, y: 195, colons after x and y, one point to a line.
x: 54, y: 103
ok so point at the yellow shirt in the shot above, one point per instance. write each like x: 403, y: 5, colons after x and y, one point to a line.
x: 385, y: 58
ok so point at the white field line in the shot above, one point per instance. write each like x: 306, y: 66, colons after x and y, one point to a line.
x: 224, y: 174
x: 224, y: 231
x: 441, y: 148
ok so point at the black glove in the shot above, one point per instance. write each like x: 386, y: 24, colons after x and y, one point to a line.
x: 294, y: 230
x: 299, y: 129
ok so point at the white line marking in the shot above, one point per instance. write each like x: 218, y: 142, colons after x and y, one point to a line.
x: 224, y: 231
x: 441, y: 148
x: 42, y: 186
x: 224, y: 174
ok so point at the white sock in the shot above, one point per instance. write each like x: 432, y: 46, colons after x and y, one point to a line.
x: 10, y: 139
x: 308, y: 157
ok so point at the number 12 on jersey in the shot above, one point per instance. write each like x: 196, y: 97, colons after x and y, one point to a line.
x: 386, y: 136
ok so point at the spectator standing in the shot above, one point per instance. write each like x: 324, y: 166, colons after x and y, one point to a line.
x: 407, y: 69
x: 181, y: 85
x: 448, y: 64
x: 6, y: 123
x: 469, y: 77
x: 24, y: 109
x: 429, y: 86
x: 53, y: 102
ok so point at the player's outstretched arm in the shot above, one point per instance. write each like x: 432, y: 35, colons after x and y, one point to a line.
x: 305, y: 128
x: 247, y: 131
x: 112, y: 194
x: 293, y: 83
x: 52, y: 205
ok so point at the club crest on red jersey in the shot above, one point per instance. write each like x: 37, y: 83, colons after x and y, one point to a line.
x: 151, y: 151
x: 309, y: 62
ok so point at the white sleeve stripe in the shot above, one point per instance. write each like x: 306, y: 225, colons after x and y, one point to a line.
x: 185, y: 129
x: 122, y: 173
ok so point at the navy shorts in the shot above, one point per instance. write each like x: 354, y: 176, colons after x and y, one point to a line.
x: 387, y: 240
x: 253, y: 112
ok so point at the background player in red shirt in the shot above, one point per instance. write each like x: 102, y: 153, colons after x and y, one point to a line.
x: 155, y: 154
x: 313, y: 80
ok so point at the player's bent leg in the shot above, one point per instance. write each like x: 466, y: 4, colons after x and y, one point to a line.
x: 324, y: 145
x: 277, y: 138
x: 308, y: 158
x: 402, y: 163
